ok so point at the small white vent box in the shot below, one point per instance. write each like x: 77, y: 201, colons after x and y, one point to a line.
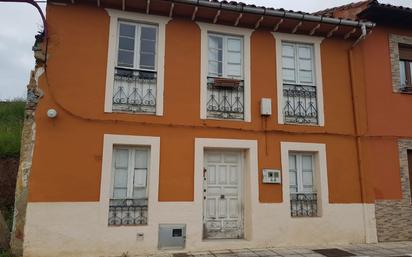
x: 266, y: 106
x: 271, y: 176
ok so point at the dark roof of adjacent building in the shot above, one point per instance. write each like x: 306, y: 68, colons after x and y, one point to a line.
x: 372, y: 10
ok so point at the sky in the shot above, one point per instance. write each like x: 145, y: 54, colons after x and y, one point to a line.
x: 19, y: 22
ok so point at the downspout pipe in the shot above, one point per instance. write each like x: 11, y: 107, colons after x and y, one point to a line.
x: 276, y: 13
x: 370, y: 237
x: 36, y: 5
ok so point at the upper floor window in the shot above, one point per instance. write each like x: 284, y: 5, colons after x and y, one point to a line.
x: 299, y: 84
x: 225, y: 84
x: 405, y: 65
x: 299, y: 79
x: 129, y: 195
x: 135, y: 76
x: 400, y: 49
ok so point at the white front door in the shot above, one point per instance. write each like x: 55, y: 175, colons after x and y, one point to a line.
x: 223, y: 206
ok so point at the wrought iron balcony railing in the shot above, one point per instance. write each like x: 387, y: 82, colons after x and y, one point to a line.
x: 127, y: 212
x: 134, y: 91
x: 304, y: 204
x: 300, y: 104
x: 225, y: 99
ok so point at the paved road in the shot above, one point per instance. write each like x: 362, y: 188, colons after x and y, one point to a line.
x: 395, y: 249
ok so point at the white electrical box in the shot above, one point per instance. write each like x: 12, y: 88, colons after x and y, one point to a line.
x: 271, y: 176
x: 266, y: 106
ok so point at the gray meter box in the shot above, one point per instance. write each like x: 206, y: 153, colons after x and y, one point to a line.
x: 172, y: 236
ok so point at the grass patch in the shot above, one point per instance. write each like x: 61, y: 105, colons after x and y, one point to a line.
x: 11, y: 123
x: 6, y: 253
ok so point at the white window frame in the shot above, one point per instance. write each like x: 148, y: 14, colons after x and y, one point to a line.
x: 130, y: 171
x: 225, y: 38
x: 109, y: 141
x: 320, y: 174
x: 160, y: 22
x: 299, y: 172
x: 205, y: 30
x: 318, y: 83
x: 137, y: 44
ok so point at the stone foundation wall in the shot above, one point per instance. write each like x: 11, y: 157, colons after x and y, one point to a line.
x: 394, y: 217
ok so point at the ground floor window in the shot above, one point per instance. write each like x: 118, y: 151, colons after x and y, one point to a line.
x: 303, y: 196
x: 129, y: 194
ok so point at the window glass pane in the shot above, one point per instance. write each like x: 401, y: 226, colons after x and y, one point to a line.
x: 139, y: 193
x: 292, y: 162
x: 215, y: 68
x: 140, y: 159
x: 140, y: 178
x: 215, y: 55
x: 215, y: 42
x: 288, y: 62
x: 121, y: 158
x: 403, y: 72
x: 148, y: 33
x: 126, y: 43
x: 147, y: 46
x: 120, y: 178
x: 288, y: 50
x: 233, y: 57
x: 307, y: 177
x: 305, y: 76
x: 127, y: 30
x: 234, y: 70
x: 234, y: 44
x: 292, y: 178
x: 120, y: 193
x: 125, y: 58
x: 305, y: 52
x: 293, y: 189
x: 410, y: 72
x: 147, y: 61
x: 305, y: 65
x: 289, y: 75
x: 307, y: 162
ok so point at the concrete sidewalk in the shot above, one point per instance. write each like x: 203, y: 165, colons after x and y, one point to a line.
x: 398, y: 249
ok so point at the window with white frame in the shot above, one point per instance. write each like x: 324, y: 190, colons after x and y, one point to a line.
x: 303, y: 197
x: 225, y: 94
x: 129, y: 194
x: 135, y: 77
x: 299, y: 83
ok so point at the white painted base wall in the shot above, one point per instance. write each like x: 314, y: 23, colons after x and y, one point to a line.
x: 75, y: 229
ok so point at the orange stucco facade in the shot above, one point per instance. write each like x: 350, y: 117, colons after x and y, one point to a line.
x: 386, y: 119
x: 68, y: 153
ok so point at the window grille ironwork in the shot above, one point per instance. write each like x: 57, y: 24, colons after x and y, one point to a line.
x: 304, y: 204
x: 134, y: 90
x: 300, y: 104
x: 225, y: 99
x: 127, y: 212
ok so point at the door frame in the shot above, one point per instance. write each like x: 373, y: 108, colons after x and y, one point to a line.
x: 241, y: 188
x: 251, y: 181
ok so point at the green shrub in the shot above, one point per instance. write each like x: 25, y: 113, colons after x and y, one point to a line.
x: 5, y: 253
x: 11, y: 123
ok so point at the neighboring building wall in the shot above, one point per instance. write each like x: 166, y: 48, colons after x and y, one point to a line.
x: 65, y: 191
x: 387, y: 122
x: 394, y: 217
